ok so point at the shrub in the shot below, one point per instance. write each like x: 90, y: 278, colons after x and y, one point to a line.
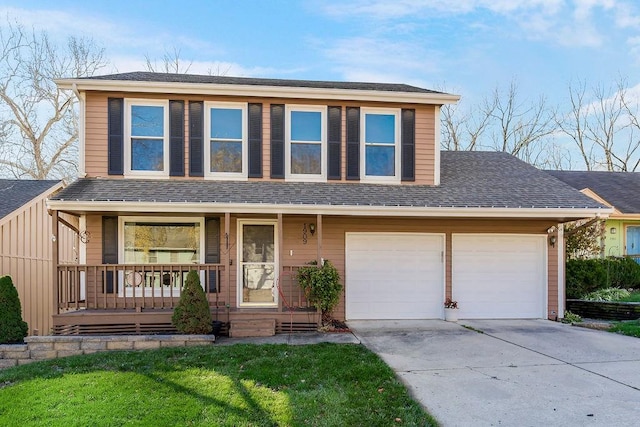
x: 192, y: 314
x: 570, y: 317
x: 607, y: 294
x: 584, y: 276
x: 12, y: 328
x: 321, y: 286
x: 589, y: 275
x: 623, y: 272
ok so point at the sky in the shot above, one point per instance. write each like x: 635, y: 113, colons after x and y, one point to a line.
x: 466, y: 47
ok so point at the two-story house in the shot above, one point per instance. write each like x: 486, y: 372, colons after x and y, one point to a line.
x: 245, y: 179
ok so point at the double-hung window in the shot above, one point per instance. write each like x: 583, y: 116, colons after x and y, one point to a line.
x: 380, y: 156
x: 226, y: 144
x: 147, y: 140
x: 306, y: 147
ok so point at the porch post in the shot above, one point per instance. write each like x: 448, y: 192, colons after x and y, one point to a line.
x: 319, y: 232
x: 227, y: 261
x: 54, y: 260
x: 279, y: 256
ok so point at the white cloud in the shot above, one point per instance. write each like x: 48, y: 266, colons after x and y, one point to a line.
x: 379, y: 60
x: 566, y: 22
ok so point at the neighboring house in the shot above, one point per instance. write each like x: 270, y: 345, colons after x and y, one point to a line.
x: 246, y: 179
x: 26, y: 247
x: 620, y: 191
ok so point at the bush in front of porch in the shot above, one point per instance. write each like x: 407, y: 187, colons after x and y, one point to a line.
x: 192, y: 314
x: 12, y: 328
x: 321, y: 286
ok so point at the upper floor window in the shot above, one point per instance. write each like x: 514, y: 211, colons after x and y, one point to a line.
x: 226, y: 147
x: 306, y: 143
x: 147, y: 143
x: 380, y: 159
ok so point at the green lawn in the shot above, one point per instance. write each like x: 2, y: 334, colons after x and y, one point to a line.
x: 631, y: 328
x: 238, y: 385
x: 634, y: 297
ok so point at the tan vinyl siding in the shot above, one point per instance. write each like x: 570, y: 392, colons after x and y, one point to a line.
x: 96, y: 131
x: 425, y: 145
x: 295, y: 252
x: 26, y: 256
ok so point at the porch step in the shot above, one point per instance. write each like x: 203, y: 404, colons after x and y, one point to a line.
x: 252, y: 328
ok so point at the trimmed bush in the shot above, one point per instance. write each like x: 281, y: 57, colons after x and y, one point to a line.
x: 192, y: 314
x: 607, y: 294
x: 321, y: 287
x: 12, y: 328
x: 589, y: 275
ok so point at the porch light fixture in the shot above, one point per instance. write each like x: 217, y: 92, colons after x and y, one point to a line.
x: 312, y: 228
x: 552, y: 241
x: 613, y: 230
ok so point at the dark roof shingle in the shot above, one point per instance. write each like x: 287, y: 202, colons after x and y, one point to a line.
x: 468, y: 179
x: 15, y: 193
x: 621, y: 189
x: 144, y: 76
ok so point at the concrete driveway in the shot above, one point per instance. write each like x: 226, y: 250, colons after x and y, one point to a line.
x: 512, y: 372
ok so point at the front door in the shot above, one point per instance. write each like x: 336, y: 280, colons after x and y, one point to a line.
x: 257, y: 269
x: 633, y: 241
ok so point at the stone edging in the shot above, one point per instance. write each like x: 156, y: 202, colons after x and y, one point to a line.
x: 51, y: 347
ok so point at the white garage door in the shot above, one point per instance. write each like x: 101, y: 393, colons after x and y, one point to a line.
x: 499, y: 276
x: 394, y: 276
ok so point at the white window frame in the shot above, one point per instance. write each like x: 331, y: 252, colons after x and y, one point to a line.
x: 322, y: 176
x: 207, y: 141
x: 130, y: 292
x: 363, y: 146
x: 129, y: 103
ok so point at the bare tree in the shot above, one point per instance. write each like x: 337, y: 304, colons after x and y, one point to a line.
x: 171, y: 62
x: 461, y: 131
x: 38, y: 121
x: 518, y: 127
x: 501, y: 122
x: 604, y: 128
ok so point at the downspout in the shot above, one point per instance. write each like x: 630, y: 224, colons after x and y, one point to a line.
x: 81, y: 142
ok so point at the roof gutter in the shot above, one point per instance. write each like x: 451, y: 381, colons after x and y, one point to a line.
x: 256, y: 91
x: 347, y: 210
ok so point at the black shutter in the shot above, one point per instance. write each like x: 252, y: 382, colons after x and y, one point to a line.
x: 277, y: 141
x: 176, y: 138
x: 334, y: 139
x: 353, y: 143
x: 212, y: 241
x: 115, y: 144
x: 255, y: 140
x: 109, y: 251
x: 196, y: 138
x: 408, y: 147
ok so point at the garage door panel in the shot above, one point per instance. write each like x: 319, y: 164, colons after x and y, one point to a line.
x: 500, y: 276
x: 394, y: 276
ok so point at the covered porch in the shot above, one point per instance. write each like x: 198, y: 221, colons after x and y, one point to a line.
x: 243, y: 293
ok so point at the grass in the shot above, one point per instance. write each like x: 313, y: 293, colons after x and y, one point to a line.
x: 631, y: 328
x: 239, y: 385
x: 634, y: 297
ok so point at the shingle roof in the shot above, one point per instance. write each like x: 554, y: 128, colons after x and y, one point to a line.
x: 143, y: 76
x: 621, y: 189
x: 15, y: 193
x: 468, y: 179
